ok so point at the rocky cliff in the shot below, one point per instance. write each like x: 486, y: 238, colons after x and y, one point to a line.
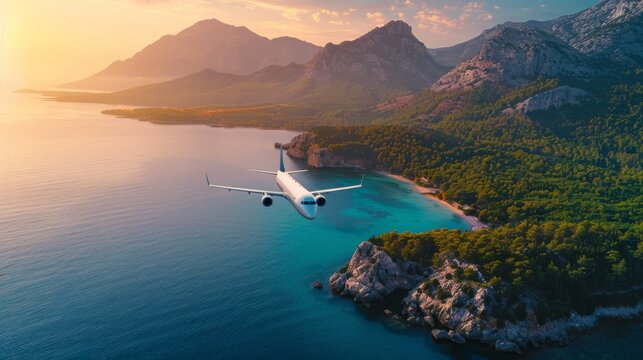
x: 515, y: 57
x: 454, y: 301
x: 306, y: 147
x: 550, y: 100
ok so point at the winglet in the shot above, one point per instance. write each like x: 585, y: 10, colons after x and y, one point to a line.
x: 281, y: 158
x: 206, y: 179
x: 362, y: 182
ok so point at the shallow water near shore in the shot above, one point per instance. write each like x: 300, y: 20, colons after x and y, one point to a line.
x: 112, y: 246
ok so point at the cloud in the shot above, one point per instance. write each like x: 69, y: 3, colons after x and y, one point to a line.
x: 316, y: 17
x: 289, y: 12
x: 376, y: 17
x: 152, y: 1
x: 435, y: 20
x: 473, y: 6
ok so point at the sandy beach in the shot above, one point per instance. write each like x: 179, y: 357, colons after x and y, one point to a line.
x: 429, y: 193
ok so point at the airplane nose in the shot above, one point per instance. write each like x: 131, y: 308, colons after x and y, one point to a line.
x: 310, y: 213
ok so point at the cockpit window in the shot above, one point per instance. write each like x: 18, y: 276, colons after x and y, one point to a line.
x: 306, y: 202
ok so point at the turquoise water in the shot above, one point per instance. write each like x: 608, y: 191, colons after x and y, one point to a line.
x: 112, y: 246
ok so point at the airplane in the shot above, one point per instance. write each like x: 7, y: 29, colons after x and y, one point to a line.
x: 305, y: 202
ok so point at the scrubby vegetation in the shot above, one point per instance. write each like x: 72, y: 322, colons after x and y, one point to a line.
x: 562, y: 190
x: 565, y: 263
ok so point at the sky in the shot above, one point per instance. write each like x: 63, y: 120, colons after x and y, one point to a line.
x: 47, y: 42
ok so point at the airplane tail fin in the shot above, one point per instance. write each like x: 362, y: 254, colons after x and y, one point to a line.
x: 281, y: 158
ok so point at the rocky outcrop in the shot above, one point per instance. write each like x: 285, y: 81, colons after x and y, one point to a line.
x: 371, y: 275
x: 507, y: 346
x: 389, y: 54
x: 454, y: 298
x: 515, y: 57
x: 305, y: 147
x: 550, y: 100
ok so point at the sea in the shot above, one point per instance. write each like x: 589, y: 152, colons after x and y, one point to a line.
x: 112, y: 246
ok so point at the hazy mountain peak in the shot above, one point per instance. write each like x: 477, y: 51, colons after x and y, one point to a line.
x: 206, y: 44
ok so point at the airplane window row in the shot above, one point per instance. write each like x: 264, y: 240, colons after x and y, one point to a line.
x: 308, y: 202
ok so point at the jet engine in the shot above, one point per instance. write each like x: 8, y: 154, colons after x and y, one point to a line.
x: 266, y: 200
x: 320, y: 200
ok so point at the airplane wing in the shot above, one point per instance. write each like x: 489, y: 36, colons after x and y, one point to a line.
x: 249, y: 191
x: 263, y: 171
x: 296, y: 171
x: 326, y: 191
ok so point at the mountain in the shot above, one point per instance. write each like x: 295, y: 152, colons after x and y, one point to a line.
x: 208, y: 44
x: 451, y: 56
x: 386, y: 62
x: 206, y: 87
x: 386, y: 55
x: 610, y: 30
x: 516, y: 56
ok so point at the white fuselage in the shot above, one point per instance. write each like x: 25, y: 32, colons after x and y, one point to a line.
x: 302, y: 199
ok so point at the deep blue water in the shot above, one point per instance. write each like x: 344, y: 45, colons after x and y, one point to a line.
x: 112, y: 246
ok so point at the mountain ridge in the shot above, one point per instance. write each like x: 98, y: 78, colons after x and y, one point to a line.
x: 388, y: 61
x: 206, y: 44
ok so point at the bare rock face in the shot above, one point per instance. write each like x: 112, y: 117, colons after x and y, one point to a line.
x: 305, y: 147
x: 549, y: 100
x: 610, y: 30
x: 371, y: 275
x: 387, y: 54
x: 457, y: 305
x: 515, y: 57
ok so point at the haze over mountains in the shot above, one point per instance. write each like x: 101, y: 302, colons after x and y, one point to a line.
x: 208, y: 44
x: 386, y: 62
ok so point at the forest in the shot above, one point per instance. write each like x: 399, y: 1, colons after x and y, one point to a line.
x: 561, y: 190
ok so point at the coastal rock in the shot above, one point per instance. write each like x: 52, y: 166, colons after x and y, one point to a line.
x: 507, y: 346
x: 305, y: 147
x: 455, y: 305
x: 317, y: 285
x: 440, y: 334
x: 455, y: 296
x: 455, y: 337
x: 371, y: 275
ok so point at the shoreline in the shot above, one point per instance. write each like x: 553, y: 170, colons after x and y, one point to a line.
x: 427, y: 192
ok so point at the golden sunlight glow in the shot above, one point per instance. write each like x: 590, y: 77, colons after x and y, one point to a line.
x: 46, y: 42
